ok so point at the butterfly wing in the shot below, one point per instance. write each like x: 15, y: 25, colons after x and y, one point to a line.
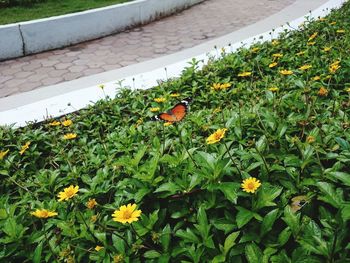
x: 177, y: 113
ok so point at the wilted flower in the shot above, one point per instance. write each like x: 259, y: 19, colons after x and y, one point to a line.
x: 126, y: 214
x: 286, y: 72
x: 173, y: 95
x: 275, y: 42
x: 340, y: 31
x: 273, y: 89
x: 326, y: 49
x: 69, y: 136
x: 310, y: 139
x: 300, y: 53
x: 347, y: 89
x: 250, y: 185
x: 216, y: 136
x: 55, y: 123
x: 316, y: 78
x: 313, y: 36
x: 334, y: 66
x: 68, y: 193
x: 311, y: 43
x: 277, y: 55
x: 155, y: 109
x: 3, y: 154
x: 24, y: 148
x: 118, y: 258
x: 160, y: 100
x: 43, y: 213
x: 255, y: 49
x: 98, y: 248
x: 101, y: 86
x: 245, y: 74
x: 273, y: 64
x: 91, y: 203
x: 323, y: 92
x: 305, y: 67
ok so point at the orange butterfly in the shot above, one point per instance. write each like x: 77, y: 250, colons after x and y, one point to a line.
x: 177, y: 113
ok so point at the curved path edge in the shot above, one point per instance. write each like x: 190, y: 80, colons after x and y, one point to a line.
x: 57, y: 100
x: 24, y: 38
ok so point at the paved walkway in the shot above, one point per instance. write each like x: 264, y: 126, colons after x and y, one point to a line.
x: 211, y: 19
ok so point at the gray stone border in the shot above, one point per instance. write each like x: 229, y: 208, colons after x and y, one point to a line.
x: 34, y: 36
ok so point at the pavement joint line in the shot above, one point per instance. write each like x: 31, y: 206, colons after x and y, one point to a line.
x: 145, y: 75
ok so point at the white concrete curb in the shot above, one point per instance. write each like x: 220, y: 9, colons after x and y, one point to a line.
x: 55, y: 32
x: 70, y: 96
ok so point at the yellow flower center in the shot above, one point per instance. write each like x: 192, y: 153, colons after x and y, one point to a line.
x: 251, y: 185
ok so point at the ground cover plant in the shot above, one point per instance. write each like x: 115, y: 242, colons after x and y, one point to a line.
x: 24, y: 10
x: 258, y: 170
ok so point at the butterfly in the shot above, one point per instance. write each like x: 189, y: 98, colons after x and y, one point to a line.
x: 177, y: 113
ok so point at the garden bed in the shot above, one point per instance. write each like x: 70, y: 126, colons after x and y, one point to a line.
x: 277, y: 112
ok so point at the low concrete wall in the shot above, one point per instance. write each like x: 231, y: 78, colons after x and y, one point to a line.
x: 60, y: 31
x: 11, y: 44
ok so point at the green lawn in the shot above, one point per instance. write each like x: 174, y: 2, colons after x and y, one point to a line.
x: 51, y: 8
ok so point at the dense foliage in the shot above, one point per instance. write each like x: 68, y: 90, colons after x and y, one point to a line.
x: 285, y: 105
x: 7, y: 3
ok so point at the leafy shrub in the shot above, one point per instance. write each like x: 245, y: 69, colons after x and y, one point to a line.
x: 7, y: 3
x: 285, y: 105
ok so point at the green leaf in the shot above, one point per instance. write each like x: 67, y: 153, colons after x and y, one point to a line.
x: 165, y: 237
x: 203, y: 227
x: 268, y: 221
x: 343, y: 177
x: 253, y: 253
x: 284, y: 236
x: 292, y: 220
x: 187, y: 235
x: 230, y: 241
x: 37, y: 253
x: 345, y: 145
x: 266, y: 195
x: 243, y: 216
x: 329, y: 195
x: 230, y: 190
x: 261, y: 144
x: 345, y: 212
x: 152, y: 254
x: 268, y: 252
x: 169, y: 187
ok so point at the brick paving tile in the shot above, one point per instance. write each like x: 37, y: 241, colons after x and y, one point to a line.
x: 200, y: 23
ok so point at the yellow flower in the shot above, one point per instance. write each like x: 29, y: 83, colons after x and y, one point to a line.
x: 98, y: 248
x: 159, y: 100
x: 139, y: 122
x: 43, y: 213
x: 118, y: 258
x: 277, y: 55
x: 3, y: 154
x: 173, y: 95
x: 216, y: 136
x: 244, y: 74
x: 216, y: 110
x: 250, y: 185
x: 273, y: 89
x: 91, y: 203
x: 70, y: 136
x: 322, y: 19
x: 311, y: 43
x: 334, y: 66
x: 286, y: 72
x: 67, y: 123
x: 313, y: 36
x: 347, y: 89
x: 154, y: 109
x: 275, y: 42
x: 255, y: 49
x: 340, y: 31
x: 300, y: 53
x: 332, y: 23
x: 316, y: 78
x: 274, y: 64
x: 218, y: 86
x: 305, y: 67
x: 93, y: 218
x: 126, y: 214
x: 166, y: 124
x: 24, y: 148
x: 54, y: 123
x: 68, y: 193
x: 310, y: 139
x: 323, y: 92
x: 326, y: 49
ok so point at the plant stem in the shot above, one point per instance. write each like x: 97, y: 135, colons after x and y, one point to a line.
x: 48, y: 243
x: 149, y: 245
x: 263, y: 158
x: 233, y: 160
